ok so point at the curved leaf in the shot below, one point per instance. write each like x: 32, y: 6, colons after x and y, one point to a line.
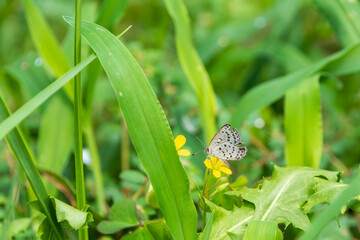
x: 148, y: 129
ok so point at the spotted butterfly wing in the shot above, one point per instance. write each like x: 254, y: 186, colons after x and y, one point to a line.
x: 224, y: 144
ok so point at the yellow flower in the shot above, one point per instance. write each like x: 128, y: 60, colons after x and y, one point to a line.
x: 179, y: 142
x: 217, y: 166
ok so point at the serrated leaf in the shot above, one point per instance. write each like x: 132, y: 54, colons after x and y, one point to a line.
x: 281, y: 197
x: 232, y: 222
x: 325, y: 191
x: 122, y: 215
x: 71, y: 217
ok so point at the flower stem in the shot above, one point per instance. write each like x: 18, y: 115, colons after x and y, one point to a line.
x: 205, y: 192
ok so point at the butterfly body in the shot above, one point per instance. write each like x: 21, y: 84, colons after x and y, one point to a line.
x: 225, y: 145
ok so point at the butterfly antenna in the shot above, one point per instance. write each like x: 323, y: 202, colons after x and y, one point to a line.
x: 197, y: 152
x: 199, y: 140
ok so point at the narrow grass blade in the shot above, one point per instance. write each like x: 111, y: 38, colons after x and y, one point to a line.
x: 9, y: 123
x: 192, y: 65
x: 25, y: 158
x: 46, y: 43
x: 344, y: 17
x: 332, y: 210
x: 342, y: 62
x: 205, y: 235
x: 148, y: 129
x: 303, y: 124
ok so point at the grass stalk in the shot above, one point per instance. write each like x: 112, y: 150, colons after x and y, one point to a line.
x: 79, y: 169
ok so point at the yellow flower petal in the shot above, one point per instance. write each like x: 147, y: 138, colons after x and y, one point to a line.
x: 179, y: 141
x: 216, y: 173
x: 183, y: 152
x: 226, y: 170
x: 208, y: 164
x: 213, y: 160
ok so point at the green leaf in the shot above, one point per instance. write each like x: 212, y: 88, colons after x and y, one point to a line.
x: 261, y: 230
x: 239, y: 183
x: 281, y: 197
x: 158, y: 229
x: 122, y: 215
x: 332, y: 210
x: 344, y: 17
x: 205, y: 235
x: 229, y: 223
x: 71, y: 217
x: 46, y: 43
x: 133, y: 176
x: 16, y: 226
x: 139, y: 234
x: 10, y: 122
x: 324, y: 192
x: 148, y: 129
x: 25, y: 158
x: 192, y: 65
x: 303, y: 124
x: 342, y: 62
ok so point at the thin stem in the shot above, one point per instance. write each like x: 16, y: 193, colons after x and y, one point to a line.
x: 79, y: 168
x: 205, y: 195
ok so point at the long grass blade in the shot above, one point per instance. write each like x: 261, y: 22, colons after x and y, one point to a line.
x: 192, y: 65
x: 26, y: 160
x: 148, y: 129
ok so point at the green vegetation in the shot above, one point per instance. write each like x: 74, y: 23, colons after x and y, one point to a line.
x: 93, y: 94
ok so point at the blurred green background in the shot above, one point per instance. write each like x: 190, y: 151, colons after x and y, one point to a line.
x: 241, y: 43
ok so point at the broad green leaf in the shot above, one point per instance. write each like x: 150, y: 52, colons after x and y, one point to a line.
x: 324, y: 192
x: 261, y: 230
x: 192, y: 65
x: 342, y: 62
x: 71, y: 217
x: 139, y: 234
x: 10, y: 122
x: 303, y: 124
x: 281, y: 197
x: 46, y: 44
x: 332, y: 210
x: 25, y: 158
x: 158, y: 229
x: 229, y: 223
x: 122, y: 215
x: 148, y: 129
x: 344, y: 17
x: 205, y: 235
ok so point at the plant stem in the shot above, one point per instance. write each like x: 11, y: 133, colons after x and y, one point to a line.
x: 205, y: 195
x: 79, y: 171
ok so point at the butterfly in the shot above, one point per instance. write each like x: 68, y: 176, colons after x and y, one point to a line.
x: 225, y: 145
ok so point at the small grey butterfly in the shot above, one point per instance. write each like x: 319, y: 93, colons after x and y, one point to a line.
x: 225, y: 145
